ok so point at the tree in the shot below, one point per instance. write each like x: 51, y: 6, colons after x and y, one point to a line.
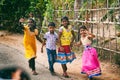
x: 12, y: 11
x: 38, y: 8
x: 77, y: 5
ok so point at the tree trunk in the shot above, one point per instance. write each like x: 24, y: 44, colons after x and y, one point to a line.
x: 77, y: 5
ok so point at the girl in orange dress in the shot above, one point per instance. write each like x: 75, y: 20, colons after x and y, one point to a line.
x: 29, y: 41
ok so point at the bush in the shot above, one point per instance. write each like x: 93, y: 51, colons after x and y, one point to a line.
x: 117, y: 59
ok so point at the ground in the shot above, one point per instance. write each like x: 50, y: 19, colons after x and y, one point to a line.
x: 12, y: 53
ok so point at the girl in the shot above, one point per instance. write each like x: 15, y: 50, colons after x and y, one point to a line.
x: 30, y: 34
x: 66, y: 38
x: 90, y: 63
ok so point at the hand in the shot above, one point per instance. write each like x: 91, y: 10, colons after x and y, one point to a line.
x: 87, y: 32
x: 41, y: 50
x: 61, y: 48
x: 21, y: 20
x: 71, y: 44
x: 77, y: 44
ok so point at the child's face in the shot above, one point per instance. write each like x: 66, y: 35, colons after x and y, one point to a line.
x: 51, y: 29
x: 83, y: 32
x: 30, y: 23
x: 64, y: 22
x: 16, y: 75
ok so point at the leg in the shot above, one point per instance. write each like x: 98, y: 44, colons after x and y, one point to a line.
x: 50, y: 60
x: 54, y: 56
x: 64, y: 67
x: 32, y: 65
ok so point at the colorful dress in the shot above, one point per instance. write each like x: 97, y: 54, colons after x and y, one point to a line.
x: 65, y: 56
x: 29, y: 42
x: 90, y: 62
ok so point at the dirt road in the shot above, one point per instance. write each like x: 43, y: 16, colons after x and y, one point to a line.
x: 12, y: 53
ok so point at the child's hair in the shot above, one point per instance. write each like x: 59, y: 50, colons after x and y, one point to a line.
x: 65, y: 18
x: 81, y: 27
x: 51, y: 24
x: 33, y: 27
x: 6, y: 73
x: 30, y: 19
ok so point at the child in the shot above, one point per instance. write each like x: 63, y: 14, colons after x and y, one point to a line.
x: 66, y: 38
x: 50, y: 38
x: 90, y: 63
x: 13, y: 73
x: 30, y: 34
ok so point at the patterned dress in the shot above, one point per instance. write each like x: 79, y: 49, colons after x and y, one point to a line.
x: 66, y: 55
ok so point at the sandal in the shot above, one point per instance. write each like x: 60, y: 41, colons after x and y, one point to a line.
x: 65, y: 75
x: 35, y: 73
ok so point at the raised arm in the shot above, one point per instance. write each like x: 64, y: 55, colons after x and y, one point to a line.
x: 90, y: 35
x: 79, y: 43
x: 21, y: 21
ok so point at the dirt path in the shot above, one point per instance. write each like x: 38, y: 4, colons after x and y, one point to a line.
x: 11, y: 44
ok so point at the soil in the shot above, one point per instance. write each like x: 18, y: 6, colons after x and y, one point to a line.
x: 14, y: 41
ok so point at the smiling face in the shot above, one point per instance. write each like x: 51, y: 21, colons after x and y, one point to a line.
x: 83, y: 32
x: 65, y: 22
x: 30, y: 23
x: 51, y: 29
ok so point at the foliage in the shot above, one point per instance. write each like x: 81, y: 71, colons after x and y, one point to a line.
x: 38, y: 7
x: 12, y: 10
x: 49, y: 11
x: 117, y: 59
x: 110, y: 13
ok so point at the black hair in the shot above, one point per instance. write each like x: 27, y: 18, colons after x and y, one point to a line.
x: 51, y: 24
x: 33, y: 27
x: 65, y: 18
x: 81, y: 27
x: 30, y: 19
x: 6, y: 73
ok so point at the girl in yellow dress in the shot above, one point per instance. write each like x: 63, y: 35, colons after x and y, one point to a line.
x: 29, y: 41
x: 66, y: 38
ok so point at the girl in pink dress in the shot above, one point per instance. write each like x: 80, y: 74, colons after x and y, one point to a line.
x: 90, y: 62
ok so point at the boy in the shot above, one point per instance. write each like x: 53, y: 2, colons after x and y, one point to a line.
x: 50, y: 38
